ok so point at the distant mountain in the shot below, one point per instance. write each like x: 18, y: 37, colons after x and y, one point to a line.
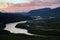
x: 40, y: 12
x: 56, y: 10
x: 12, y: 17
x: 45, y: 12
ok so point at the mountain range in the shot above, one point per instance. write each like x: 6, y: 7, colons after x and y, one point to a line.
x: 46, y: 12
x: 15, y: 17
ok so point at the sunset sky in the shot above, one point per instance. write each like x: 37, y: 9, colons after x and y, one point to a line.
x: 27, y: 5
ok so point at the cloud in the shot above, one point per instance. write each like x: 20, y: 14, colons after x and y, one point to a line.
x: 16, y: 1
x: 45, y: 2
x: 34, y: 4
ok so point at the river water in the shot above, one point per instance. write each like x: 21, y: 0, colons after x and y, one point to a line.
x: 11, y: 27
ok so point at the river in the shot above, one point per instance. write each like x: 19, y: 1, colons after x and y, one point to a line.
x: 11, y: 27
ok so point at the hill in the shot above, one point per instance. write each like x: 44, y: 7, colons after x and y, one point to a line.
x: 12, y: 17
x: 46, y: 12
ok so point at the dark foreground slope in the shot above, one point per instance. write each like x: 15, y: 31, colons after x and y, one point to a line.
x: 11, y: 36
x: 26, y: 37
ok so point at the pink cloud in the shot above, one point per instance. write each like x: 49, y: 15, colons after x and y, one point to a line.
x: 36, y: 4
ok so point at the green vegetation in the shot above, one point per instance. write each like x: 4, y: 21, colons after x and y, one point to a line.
x: 45, y: 27
x: 53, y: 23
x: 46, y: 24
x: 22, y: 25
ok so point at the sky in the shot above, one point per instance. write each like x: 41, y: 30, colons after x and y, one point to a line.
x: 27, y: 5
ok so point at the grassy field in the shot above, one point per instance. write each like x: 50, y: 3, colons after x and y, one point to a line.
x: 26, y: 37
